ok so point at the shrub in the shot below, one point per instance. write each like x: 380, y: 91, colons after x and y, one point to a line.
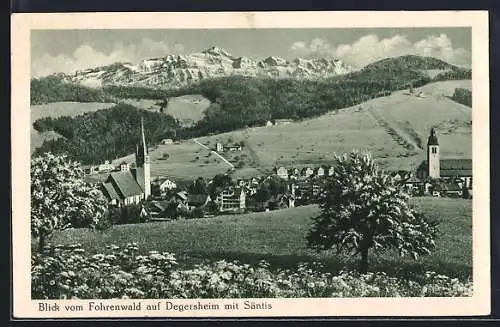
x: 60, y: 272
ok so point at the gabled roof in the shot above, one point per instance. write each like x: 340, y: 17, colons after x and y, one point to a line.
x: 109, y: 191
x: 452, y: 167
x: 464, y: 164
x: 125, y: 184
x: 449, y: 187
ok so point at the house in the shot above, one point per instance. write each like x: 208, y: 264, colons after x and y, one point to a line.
x: 219, y: 147
x: 198, y: 200
x: 269, y: 123
x: 308, y: 172
x: 234, y: 148
x: 106, y: 166
x: 283, y: 121
x: 124, y: 166
x: 435, y: 167
x: 282, y: 172
x: 231, y: 200
x: 330, y: 171
x: 447, y: 189
x: 166, y: 185
x: 90, y: 169
x: 167, y: 141
x: 129, y: 186
x: 320, y: 172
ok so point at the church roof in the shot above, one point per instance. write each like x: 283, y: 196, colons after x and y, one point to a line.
x: 452, y: 167
x: 125, y: 183
x: 432, y: 138
x: 110, y: 192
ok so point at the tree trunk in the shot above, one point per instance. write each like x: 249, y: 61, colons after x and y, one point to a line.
x: 41, y: 242
x: 363, y: 266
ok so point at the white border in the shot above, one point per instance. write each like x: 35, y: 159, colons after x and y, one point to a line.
x: 479, y: 304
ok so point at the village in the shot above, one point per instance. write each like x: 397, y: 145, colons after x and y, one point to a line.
x: 163, y: 198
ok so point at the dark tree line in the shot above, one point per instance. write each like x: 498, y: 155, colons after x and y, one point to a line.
x: 53, y: 88
x: 104, y: 134
x: 463, y: 96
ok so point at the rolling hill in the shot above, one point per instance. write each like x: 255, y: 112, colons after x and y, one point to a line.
x: 365, y: 109
x: 367, y: 126
x: 394, y: 128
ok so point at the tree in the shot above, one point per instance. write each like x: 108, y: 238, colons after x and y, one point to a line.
x: 364, y: 208
x: 60, y: 198
x: 199, y: 186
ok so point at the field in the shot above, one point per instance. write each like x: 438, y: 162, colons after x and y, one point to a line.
x: 186, y: 161
x: 188, y: 108
x: 393, y: 128
x: 279, y: 237
x: 58, y: 109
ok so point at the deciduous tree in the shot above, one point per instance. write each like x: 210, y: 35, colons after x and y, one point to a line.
x: 60, y: 197
x: 363, y: 208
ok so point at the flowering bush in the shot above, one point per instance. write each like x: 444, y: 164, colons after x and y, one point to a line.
x: 60, y: 272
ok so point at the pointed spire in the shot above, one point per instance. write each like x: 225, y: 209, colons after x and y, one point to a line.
x: 432, y: 138
x: 143, y: 137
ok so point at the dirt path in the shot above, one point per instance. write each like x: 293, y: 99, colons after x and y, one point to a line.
x: 214, y: 152
x: 399, y: 136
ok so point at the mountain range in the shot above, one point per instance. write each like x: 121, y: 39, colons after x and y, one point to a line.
x: 175, y: 71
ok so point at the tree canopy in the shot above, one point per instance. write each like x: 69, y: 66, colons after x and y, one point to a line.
x: 363, y: 208
x: 60, y: 197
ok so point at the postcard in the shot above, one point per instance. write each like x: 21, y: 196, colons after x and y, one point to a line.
x: 250, y: 164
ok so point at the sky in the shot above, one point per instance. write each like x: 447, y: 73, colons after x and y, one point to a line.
x: 67, y: 51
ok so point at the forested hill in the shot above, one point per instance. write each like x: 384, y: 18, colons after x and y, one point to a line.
x: 105, y: 134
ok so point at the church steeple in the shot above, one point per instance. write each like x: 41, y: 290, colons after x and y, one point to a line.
x: 142, y: 148
x: 433, y: 160
x: 143, y: 169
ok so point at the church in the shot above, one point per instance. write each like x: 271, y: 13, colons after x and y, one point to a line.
x: 437, y: 168
x: 130, y: 185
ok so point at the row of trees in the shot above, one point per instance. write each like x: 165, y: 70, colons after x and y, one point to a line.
x: 104, y: 134
x: 54, y: 88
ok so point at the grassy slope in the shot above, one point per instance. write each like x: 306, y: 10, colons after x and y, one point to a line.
x: 58, y: 109
x: 182, y: 163
x: 279, y: 237
x: 188, y: 108
x: 314, y: 141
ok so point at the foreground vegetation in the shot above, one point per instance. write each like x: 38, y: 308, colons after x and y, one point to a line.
x: 357, y: 215
x: 68, y: 272
x: 279, y: 237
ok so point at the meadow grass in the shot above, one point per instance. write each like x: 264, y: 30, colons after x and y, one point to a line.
x: 182, y: 162
x: 189, y: 109
x: 280, y: 238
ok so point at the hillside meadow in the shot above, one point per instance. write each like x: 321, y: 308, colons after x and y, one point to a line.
x: 279, y: 238
x: 181, y: 161
x: 189, y: 109
x: 394, y: 128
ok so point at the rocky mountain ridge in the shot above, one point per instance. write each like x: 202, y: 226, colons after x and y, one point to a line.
x: 174, y: 71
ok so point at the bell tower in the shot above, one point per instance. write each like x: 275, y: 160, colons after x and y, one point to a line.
x: 143, y: 165
x: 433, y: 155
